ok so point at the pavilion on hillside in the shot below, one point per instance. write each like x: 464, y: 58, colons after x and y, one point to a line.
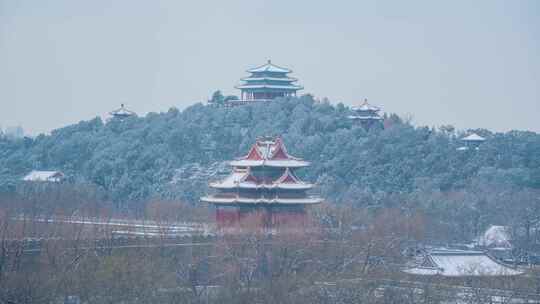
x: 471, y: 141
x: 266, y: 83
x: 367, y: 115
x: 263, y: 191
x: 122, y: 113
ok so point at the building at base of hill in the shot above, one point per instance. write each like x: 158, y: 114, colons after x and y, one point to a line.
x: 460, y: 264
x: 263, y: 191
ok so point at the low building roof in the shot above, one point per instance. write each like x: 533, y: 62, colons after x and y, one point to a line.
x: 44, y: 176
x: 460, y: 263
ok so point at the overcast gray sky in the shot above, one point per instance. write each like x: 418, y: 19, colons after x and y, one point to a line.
x: 467, y: 63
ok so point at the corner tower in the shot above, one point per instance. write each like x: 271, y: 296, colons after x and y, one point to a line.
x: 263, y: 190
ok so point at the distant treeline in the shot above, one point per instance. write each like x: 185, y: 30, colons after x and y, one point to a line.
x: 134, y: 159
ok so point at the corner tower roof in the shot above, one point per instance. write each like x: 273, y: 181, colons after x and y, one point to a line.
x: 269, y: 152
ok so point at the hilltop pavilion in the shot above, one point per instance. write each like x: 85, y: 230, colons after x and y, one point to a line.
x: 472, y: 141
x: 263, y: 190
x: 122, y: 113
x: 267, y: 82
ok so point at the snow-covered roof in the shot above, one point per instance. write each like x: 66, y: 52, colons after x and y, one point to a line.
x: 247, y: 185
x: 239, y: 179
x: 269, y: 152
x: 284, y: 79
x: 261, y: 200
x: 496, y: 236
x: 365, y: 106
x: 122, y: 111
x: 269, y: 67
x: 290, y: 163
x: 270, y: 86
x: 473, y: 137
x: 44, y: 176
x: 460, y: 263
x: 365, y: 117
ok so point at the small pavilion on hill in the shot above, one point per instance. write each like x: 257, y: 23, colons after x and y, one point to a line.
x: 471, y: 141
x: 263, y: 190
x: 122, y: 113
x: 266, y: 83
x: 366, y: 115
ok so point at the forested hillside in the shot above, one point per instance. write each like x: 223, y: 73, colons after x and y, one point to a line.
x: 137, y: 158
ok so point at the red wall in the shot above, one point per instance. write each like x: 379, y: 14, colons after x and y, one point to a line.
x: 260, y: 218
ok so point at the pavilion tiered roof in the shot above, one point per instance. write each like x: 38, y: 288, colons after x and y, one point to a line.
x: 269, y: 67
x: 366, y: 111
x: 266, y: 82
x: 264, y: 176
